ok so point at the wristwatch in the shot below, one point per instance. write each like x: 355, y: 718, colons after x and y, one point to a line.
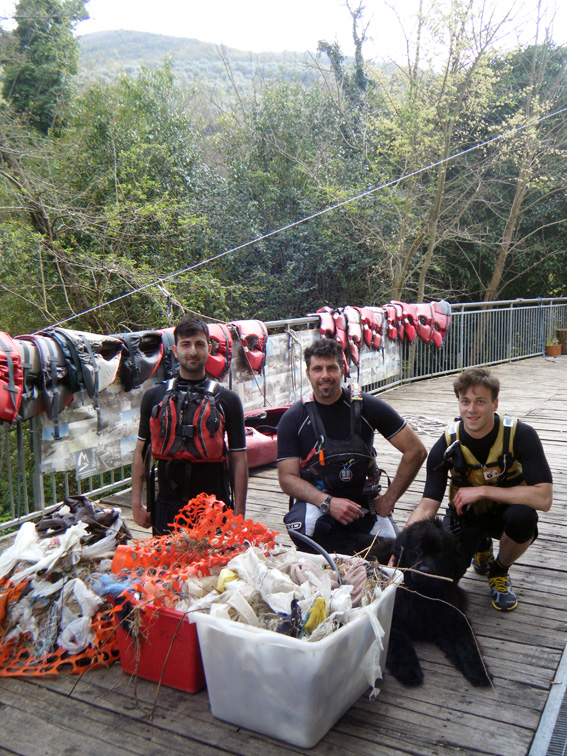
x: 326, y: 505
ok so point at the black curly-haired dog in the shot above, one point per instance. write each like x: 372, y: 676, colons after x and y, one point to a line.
x: 427, y: 608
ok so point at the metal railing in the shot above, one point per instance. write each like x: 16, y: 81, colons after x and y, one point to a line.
x: 480, y: 334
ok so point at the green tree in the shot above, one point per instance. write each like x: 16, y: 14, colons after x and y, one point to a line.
x: 40, y: 57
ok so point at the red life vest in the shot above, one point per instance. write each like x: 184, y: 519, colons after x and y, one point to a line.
x: 11, y: 379
x: 441, y: 322
x: 218, y: 361
x: 188, y: 425
x: 408, y: 320
x: 326, y: 322
x: 354, y: 332
x: 425, y: 321
x: 394, y: 318
x: 254, y: 337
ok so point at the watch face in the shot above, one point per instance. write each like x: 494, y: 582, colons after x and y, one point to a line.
x: 325, y: 505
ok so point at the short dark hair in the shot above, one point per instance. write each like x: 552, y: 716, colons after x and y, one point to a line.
x: 324, y: 348
x: 477, y: 376
x: 189, y: 326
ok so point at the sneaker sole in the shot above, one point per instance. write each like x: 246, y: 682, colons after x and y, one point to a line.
x: 507, y: 609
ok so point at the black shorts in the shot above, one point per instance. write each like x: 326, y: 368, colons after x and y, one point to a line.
x: 517, y: 521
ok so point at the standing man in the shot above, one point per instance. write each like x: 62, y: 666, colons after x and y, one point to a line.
x: 499, y: 480
x: 326, y: 461
x: 185, y: 421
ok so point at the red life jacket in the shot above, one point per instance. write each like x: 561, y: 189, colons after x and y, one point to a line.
x: 254, y: 337
x: 326, y: 322
x: 11, y: 379
x: 218, y: 361
x: 372, y: 319
x: 424, y: 321
x: 408, y: 320
x: 188, y: 425
x: 354, y: 332
x: 394, y: 318
x: 441, y: 321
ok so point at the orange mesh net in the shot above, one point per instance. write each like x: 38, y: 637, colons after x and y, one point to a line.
x: 18, y: 658
x: 205, y: 536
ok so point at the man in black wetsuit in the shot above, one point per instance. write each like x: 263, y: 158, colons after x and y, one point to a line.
x: 499, y: 480
x: 180, y: 477
x: 326, y: 460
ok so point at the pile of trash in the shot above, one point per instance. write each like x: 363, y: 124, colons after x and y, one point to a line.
x: 216, y: 562
x: 288, y: 592
x: 53, y: 591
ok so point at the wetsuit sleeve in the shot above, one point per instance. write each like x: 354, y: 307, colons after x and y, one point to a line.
x: 436, y: 481
x: 528, y: 450
x: 288, y: 437
x: 234, y: 416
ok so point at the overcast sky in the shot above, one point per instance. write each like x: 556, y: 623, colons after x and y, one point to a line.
x: 272, y: 25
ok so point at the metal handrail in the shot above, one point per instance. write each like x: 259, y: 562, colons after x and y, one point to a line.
x: 481, y: 333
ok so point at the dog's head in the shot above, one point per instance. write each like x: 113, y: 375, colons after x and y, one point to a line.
x: 427, y: 548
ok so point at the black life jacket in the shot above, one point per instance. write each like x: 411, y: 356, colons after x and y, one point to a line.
x: 169, y: 364
x: 50, y: 370
x: 141, y: 354
x: 342, y: 467
x: 189, y: 425
x: 88, y: 368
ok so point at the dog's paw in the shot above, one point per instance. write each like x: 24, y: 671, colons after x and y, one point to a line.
x: 408, y: 674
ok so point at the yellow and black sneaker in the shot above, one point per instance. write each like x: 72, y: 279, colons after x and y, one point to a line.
x: 503, y: 597
x: 483, y: 560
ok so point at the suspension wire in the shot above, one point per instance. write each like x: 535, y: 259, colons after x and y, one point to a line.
x: 159, y: 281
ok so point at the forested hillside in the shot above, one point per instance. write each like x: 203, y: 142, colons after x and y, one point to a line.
x: 133, y: 188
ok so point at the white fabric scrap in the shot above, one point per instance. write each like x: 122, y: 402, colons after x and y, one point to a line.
x: 370, y: 664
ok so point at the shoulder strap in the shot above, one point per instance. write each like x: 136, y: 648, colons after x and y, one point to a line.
x: 355, y: 409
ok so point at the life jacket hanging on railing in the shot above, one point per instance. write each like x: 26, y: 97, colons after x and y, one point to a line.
x: 371, y: 319
x: 92, y: 362
x: 425, y: 321
x: 354, y: 332
x: 408, y: 319
x: 141, y: 355
x: 393, y: 317
x: 169, y: 364
x: 11, y: 379
x: 326, y: 322
x: 253, y: 336
x: 218, y: 361
x: 49, y: 368
x: 32, y: 400
x: 441, y: 321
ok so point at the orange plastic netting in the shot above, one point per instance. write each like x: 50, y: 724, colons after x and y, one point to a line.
x: 205, y: 536
x: 18, y: 658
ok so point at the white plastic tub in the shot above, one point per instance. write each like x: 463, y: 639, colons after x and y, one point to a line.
x: 288, y: 688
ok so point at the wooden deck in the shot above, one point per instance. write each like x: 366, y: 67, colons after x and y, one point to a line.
x: 107, y: 713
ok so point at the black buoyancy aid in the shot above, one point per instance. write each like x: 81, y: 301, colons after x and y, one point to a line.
x: 500, y: 469
x: 340, y: 466
x: 189, y: 425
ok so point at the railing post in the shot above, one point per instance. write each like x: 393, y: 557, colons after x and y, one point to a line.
x: 38, y: 495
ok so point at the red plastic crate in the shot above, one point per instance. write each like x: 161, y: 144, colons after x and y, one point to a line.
x: 167, y: 649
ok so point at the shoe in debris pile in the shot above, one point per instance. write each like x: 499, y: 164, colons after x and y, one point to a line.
x: 503, y: 597
x: 483, y: 559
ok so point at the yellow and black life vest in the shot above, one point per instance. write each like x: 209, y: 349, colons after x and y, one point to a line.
x: 500, y: 469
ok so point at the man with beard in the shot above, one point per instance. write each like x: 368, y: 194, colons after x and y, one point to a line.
x: 185, y: 421
x: 326, y: 460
